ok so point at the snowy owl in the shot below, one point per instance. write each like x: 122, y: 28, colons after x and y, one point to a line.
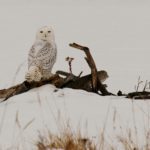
x: 42, y: 55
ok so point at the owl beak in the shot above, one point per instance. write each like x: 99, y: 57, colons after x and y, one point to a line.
x: 45, y: 35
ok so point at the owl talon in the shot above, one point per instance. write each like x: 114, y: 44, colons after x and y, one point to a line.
x: 28, y: 77
x: 34, y: 74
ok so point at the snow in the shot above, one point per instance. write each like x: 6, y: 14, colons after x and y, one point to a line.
x: 117, y: 32
x: 27, y: 115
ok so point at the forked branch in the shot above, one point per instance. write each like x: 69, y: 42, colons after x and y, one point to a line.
x: 96, y: 83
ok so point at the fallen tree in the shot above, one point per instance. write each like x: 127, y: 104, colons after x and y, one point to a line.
x: 91, y: 82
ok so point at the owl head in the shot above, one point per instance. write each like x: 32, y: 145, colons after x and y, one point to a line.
x: 45, y: 33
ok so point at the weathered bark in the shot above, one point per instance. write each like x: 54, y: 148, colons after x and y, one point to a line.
x: 26, y: 86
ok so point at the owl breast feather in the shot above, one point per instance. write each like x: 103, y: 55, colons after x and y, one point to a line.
x: 44, y: 58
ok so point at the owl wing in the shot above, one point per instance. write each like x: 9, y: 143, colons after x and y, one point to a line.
x: 36, y: 55
x: 31, y: 56
x: 47, y: 56
x: 44, y: 58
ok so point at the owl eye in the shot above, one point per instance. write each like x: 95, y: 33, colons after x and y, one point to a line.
x: 41, y: 31
x: 49, y: 31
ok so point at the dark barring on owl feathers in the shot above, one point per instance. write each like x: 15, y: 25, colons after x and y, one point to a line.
x: 42, y: 55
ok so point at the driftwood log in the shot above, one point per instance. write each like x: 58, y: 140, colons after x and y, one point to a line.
x: 139, y: 95
x: 90, y: 82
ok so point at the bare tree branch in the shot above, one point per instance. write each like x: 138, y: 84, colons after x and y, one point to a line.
x: 96, y: 83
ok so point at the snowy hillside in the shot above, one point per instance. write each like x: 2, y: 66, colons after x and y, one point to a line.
x: 117, y: 32
x: 27, y: 116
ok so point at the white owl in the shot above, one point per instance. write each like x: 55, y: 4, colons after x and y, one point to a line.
x: 42, y: 55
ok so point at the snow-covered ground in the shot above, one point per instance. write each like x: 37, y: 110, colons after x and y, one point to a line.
x: 117, y: 33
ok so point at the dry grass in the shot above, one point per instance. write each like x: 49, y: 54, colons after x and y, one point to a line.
x: 129, y: 144
x: 69, y: 141
x: 65, y: 141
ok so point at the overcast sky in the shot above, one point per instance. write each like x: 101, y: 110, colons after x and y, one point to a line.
x: 118, y: 32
